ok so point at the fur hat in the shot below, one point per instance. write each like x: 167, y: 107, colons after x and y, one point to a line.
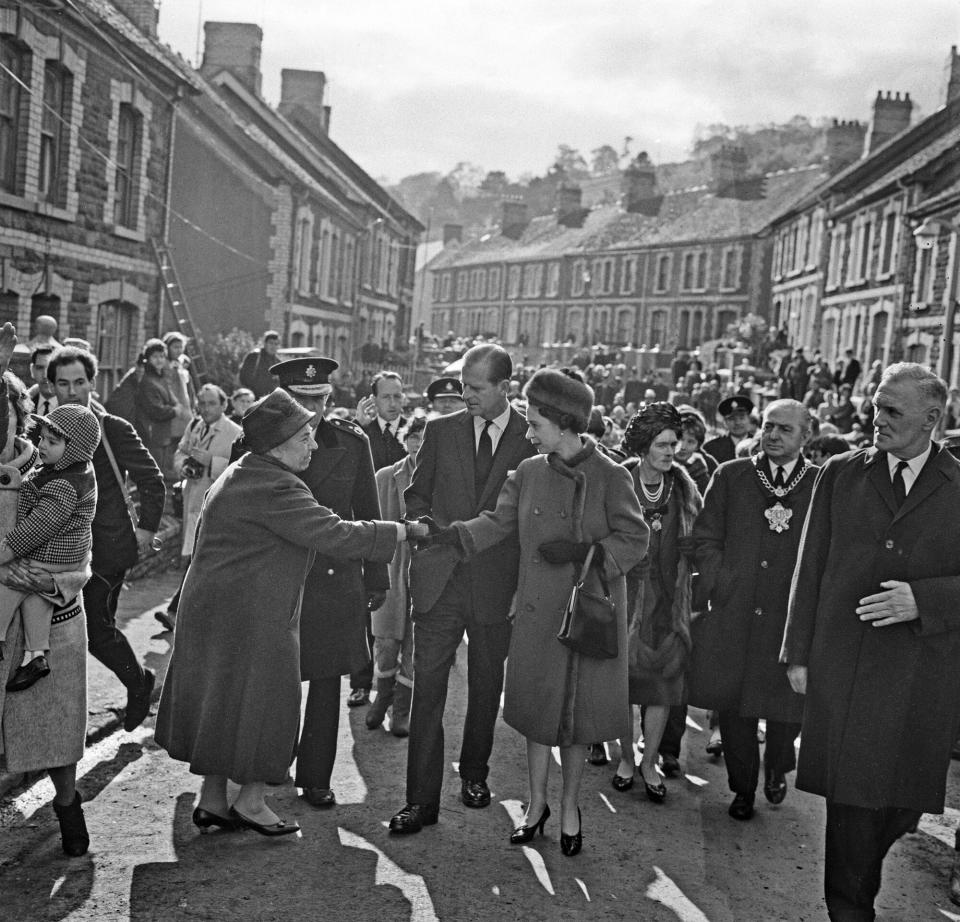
x: 272, y: 420
x: 556, y: 390
x: 646, y: 425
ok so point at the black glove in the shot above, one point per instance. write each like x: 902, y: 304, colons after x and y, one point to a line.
x: 448, y: 536
x: 563, y: 551
x: 430, y: 523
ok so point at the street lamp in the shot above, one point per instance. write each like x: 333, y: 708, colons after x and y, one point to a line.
x: 926, y: 236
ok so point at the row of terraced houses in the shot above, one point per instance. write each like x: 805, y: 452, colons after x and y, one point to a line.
x: 858, y: 251
x: 110, y: 142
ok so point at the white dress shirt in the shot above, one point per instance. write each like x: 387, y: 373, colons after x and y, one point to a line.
x: 914, y: 465
x: 497, y: 428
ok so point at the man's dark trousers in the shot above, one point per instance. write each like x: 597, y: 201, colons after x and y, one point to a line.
x: 437, y: 635
x: 104, y: 639
x: 858, y: 839
x: 741, y: 751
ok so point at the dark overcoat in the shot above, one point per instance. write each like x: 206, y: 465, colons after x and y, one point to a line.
x: 231, y: 700
x: 745, y: 569
x: 443, y: 487
x: 552, y: 695
x: 882, y: 704
x: 333, y: 633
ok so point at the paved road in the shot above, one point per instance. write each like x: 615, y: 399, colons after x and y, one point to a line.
x: 685, y: 860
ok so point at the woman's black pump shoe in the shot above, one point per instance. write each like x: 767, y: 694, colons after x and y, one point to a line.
x: 523, y: 834
x: 657, y: 793
x: 571, y: 845
x: 204, y: 820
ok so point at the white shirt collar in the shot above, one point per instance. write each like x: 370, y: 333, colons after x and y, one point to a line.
x: 499, y: 421
x: 787, y: 468
x: 393, y: 427
x: 915, y: 465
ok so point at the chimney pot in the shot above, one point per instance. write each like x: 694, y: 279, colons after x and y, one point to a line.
x: 301, y: 99
x: 891, y: 116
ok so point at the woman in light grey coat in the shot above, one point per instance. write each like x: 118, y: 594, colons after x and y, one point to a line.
x: 563, y: 502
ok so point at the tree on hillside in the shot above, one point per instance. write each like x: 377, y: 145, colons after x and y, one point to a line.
x: 466, y: 178
x: 495, y: 182
x: 605, y: 161
x: 570, y: 162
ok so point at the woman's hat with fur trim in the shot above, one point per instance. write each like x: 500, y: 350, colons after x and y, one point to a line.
x: 272, y: 420
x: 561, y: 392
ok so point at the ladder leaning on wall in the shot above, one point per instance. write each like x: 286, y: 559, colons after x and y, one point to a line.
x: 173, y: 295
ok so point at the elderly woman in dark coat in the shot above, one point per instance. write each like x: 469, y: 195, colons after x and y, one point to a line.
x: 561, y: 503
x: 45, y: 726
x: 660, y: 589
x: 231, y: 700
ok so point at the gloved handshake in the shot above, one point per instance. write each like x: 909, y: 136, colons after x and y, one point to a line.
x: 446, y: 536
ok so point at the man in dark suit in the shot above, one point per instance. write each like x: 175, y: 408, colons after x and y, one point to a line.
x: 461, y: 466
x: 747, y: 538
x: 736, y: 417
x: 873, y: 636
x: 384, y: 429
x: 338, y: 594
x: 117, y: 543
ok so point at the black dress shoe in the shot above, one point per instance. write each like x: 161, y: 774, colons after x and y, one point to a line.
x: 620, y: 783
x: 25, y: 676
x: 474, y: 793
x: 73, y: 827
x: 571, y: 845
x: 715, y: 748
x: 204, y: 820
x: 742, y: 807
x: 320, y: 797
x: 358, y: 698
x: 670, y: 766
x: 523, y: 834
x: 280, y: 828
x: 597, y: 754
x: 775, y: 787
x: 413, y: 817
x: 138, y: 703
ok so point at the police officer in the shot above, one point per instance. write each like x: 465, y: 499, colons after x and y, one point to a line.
x: 736, y: 417
x: 338, y: 593
x: 445, y: 396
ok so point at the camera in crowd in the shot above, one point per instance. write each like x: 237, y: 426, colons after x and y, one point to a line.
x: 193, y: 469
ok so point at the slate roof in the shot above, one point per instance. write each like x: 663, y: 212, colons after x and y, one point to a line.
x: 687, y: 216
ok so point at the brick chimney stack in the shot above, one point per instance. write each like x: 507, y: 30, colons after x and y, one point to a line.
x: 728, y: 168
x: 952, y: 81
x: 234, y: 47
x: 515, y: 219
x: 570, y: 210
x: 142, y: 13
x: 301, y: 99
x: 640, y: 186
x: 891, y: 115
x: 844, y: 144
x: 452, y: 233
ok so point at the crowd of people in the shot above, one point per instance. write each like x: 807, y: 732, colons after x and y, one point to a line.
x: 777, y: 554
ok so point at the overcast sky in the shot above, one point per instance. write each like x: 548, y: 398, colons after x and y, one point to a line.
x: 418, y: 86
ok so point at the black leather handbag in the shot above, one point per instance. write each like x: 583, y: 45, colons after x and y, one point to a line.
x: 589, y: 625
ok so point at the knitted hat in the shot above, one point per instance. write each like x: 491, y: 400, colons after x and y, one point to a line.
x: 78, y: 426
x: 272, y: 420
x: 558, y: 391
x: 646, y: 425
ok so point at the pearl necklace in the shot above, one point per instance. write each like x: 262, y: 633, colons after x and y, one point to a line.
x: 652, y: 496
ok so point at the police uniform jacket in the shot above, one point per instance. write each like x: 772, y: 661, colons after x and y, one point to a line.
x: 333, y: 638
x: 745, y: 569
x: 722, y: 448
x: 882, y: 704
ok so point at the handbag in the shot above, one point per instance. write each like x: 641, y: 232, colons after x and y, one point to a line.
x: 589, y: 625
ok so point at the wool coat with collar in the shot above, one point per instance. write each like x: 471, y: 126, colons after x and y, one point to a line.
x: 882, y: 704
x: 552, y: 695
x: 231, y: 699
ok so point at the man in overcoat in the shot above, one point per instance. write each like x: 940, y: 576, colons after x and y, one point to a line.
x: 873, y: 636
x: 338, y: 592
x: 461, y: 466
x: 747, y: 538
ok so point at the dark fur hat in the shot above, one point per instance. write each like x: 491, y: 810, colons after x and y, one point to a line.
x: 562, y: 393
x: 646, y: 425
x: 272, y: 420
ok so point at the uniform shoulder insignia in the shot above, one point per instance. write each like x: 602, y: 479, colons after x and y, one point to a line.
x: 347, y: 425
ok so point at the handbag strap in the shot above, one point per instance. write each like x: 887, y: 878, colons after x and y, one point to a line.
x: 116, y: 471
x: 588, y: 560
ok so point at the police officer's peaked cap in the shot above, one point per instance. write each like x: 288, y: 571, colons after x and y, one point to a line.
x: 732, y: 404
x: 309, y: 377
x: 445, y: 387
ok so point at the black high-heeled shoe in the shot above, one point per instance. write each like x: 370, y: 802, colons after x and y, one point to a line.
x: 523, y: 834
x: 620, y: 783
x: 655, y: 792
x: 571, y: 845
x: 204, y: 820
